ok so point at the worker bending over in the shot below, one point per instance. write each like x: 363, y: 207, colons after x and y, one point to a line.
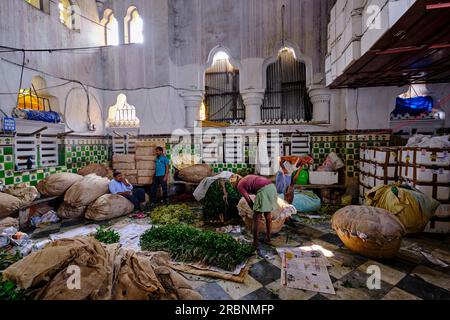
x: 265, y: 202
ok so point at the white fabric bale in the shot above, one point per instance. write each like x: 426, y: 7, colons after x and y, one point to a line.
x: 109, y: 206
x: 57, y: 184
x: 86, y: 191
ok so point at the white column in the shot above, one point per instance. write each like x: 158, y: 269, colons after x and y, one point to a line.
x: 253, y: 100
x: 320, y: 98
x: 192, y: 101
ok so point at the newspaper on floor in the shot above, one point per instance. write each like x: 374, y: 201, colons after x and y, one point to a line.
x: 76, y: 232
x: 303, y: 268
x: 130, y: 235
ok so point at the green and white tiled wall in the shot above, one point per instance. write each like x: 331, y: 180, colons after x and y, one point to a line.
x: 73, y: 155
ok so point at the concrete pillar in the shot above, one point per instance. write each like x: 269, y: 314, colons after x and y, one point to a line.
x: 253, y: 100
x: 320, y: 98
x: 192, y: 101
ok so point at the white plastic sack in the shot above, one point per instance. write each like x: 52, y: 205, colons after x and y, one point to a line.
x: 202, y: 189
x: 109, y: 206
x: 86, y: 191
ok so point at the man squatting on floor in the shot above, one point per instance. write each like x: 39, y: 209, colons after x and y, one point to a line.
x: 265, y: 201
x: 119, y: 185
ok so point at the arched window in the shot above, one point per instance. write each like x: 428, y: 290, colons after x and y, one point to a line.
x: 222, y: 97
x: 122, y: 114
x: 69, y: 14
x: 43, y: 5
x: 111, y: 28
x: 134, y: 26
x: 286, y: 96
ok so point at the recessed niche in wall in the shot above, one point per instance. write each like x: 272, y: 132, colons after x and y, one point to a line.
x: 80, y: 111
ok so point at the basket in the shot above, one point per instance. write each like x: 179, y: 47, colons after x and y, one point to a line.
x: 370, y: 248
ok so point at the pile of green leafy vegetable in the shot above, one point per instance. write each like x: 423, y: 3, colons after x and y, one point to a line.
x: 188, y: 244
x: 107, y: 236
x: 174, y: 213
x: 214, y: 204
x: 7, y: 259
x: 9, y: 290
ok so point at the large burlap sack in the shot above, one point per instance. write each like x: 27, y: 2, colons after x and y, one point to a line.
x: 278, y: 217
x: 136, y: 279
x: 97, y: 168
x: 8, y: 204
x: 108, y: 207
x: 369, y: 231
x: 196, y: 173
x: 66, y: 211
x: 413, y: 208
x: 9, y: 222
x: 25, y: 194
x: 107, y: 272
x: 86, y: 191
x: 57, y: 184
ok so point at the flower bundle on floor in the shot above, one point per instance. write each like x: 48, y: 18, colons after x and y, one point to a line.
x: 188, y: 244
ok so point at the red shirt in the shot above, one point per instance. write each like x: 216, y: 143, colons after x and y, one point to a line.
x: 251, y: 185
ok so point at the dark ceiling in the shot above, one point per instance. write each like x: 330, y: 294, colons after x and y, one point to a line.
x: 415, y: 50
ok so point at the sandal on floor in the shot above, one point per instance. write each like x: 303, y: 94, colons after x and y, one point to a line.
x: 139, y: 215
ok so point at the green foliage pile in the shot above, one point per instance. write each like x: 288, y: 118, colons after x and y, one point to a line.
x: 107, y: 236
x: 213, y: 204
x: 7, y: 259
x: 9, y: 291
x: 188, y: 244
x: 170, y: 214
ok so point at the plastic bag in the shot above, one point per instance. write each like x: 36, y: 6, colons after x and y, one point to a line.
x: 331, y: 163
x: 305, y: 201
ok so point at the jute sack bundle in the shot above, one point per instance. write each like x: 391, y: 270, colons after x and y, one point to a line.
x: 86, y: 191
x: 8, y: 204
x: 96, y: 168
x: 107, y: 273
x: 196, y: 173
x: 57, y: 184
x: 371, y: 232
x: 109, y: 206
x: 25, y: 194
x: 278, y: 217
x: 66, y: 211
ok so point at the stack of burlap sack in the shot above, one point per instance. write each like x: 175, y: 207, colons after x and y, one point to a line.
x: 107, y: 273
x: 85, y: 196
x: 13, y: 198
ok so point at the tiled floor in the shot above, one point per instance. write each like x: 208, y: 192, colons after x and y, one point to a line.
x: 409, y: 276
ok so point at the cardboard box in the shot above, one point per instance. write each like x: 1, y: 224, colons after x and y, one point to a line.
x: 145, y: 165
x: 127, y: 173
x: 124, y: 166
x: 145, y: 158
x: 146, y: 173
x: 145, y: 180
x: 145, y: 151
x: 123, y: 158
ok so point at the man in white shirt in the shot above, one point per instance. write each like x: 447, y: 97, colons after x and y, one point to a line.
x: 120, y: 186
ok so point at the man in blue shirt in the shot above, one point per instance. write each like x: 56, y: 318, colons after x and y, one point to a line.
x: 161, y: 175
x: 120, y: 186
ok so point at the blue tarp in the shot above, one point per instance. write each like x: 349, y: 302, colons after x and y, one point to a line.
x: 414, y: 106
x: 46, y: 116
